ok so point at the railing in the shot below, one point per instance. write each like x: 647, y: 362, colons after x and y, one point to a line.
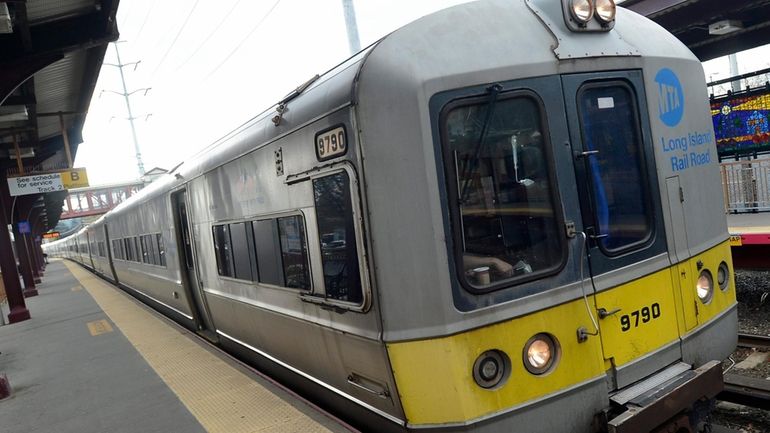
x: 746, y: 185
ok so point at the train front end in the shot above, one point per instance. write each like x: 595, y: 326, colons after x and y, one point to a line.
x: 569, y: 267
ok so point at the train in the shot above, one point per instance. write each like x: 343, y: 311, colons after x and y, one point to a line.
x: 504, y: 216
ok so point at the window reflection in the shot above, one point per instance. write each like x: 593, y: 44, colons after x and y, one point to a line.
x: 507, y: 220
x: 334, y: 212
x: 291, y: 232
x: 222, y: 248
x: 618, y: 184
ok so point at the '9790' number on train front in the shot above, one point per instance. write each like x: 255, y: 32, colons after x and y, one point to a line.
x: 331, y: 143
x: 646, y: 314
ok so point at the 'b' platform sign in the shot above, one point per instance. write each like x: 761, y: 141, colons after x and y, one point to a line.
x: 48, y: 182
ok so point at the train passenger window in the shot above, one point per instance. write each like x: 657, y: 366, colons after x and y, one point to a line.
x: 145, y: 249
x: 223, y: 250
x: 291, y: 231
x: 339, y: 254
x: 128, y: 246
x: 505, y: 214
x: 621, y: 204
x: 153, y: 249
x: 268, y: 248
x: 149, y: 241
x: 239, y: 235
x: 137, y: 251
x: 161, y: 250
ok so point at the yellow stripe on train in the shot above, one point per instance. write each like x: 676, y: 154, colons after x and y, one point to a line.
x: 435, y: 379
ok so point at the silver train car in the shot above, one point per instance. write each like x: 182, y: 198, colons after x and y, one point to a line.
x: 501, y: 217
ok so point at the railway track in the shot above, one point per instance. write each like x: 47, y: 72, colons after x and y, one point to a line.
x: 744, y: 390
x: 754, y: 341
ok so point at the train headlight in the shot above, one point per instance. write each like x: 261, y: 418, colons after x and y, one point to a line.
x: 540, y: 354
x: 491, y: 369
x: 605, y: 10
x: 582, y: 10
x: 723, y: 276
x: 705, y: 286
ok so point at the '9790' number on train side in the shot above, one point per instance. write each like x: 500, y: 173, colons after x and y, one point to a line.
x: 331, y: 143
x: 646, y: 314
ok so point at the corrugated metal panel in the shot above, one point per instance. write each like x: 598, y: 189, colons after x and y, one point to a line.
x: 44, y: 10
x: 58, y: 88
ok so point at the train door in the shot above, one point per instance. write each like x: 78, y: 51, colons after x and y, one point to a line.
x: 635, y: 298
x: 187, y: 265
x: 108, y: 247
x: 89, y: 249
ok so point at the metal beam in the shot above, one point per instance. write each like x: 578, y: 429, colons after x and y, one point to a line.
x: 649, y: 8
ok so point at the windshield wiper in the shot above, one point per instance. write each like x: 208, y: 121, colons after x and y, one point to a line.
x: 494, y: 91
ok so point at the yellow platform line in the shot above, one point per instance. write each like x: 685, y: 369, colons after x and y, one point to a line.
x: 222, y: 398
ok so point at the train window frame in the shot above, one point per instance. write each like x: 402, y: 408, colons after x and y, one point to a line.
x: 357, y: 227
x: 305, y: 247
x: 643, y: 168
x: 452, y: 180
x: 129, y: 249
x: 267, y: 251
x: 249, y: 244
x: 229, y: 252
x: 277, y: 253
x: 161, y: 249
x: 318, y: 296
x: 146, y: 255
x: 135, y: 240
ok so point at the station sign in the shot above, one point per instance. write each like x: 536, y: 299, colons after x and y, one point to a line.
x: 48, y: 182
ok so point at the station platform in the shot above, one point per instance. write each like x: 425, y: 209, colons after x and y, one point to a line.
x: 749, y: 228
x: 750, y: 240
x: 93, y: 359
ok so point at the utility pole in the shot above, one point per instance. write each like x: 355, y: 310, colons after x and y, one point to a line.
x: 736, y: 85
x: 126, y: 95
x: 350, y: 23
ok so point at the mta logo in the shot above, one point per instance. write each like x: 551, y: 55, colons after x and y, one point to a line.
x: 670, y: 97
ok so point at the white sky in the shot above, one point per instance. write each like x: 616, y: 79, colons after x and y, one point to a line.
x: 214, y: 65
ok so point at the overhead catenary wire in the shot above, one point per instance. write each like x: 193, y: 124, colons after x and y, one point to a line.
x: 146, y: 18
x: 176, y: 38
x: 128, y: 13
x: 240, y: 44
x: 210, y: 35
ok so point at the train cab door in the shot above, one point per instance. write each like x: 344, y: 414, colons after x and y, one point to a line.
x: 188, y: 265
x: 635, y: 298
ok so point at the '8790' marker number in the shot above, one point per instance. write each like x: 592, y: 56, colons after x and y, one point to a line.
x: 644, y: 315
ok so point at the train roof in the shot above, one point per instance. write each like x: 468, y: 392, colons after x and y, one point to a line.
x: 418, y: 51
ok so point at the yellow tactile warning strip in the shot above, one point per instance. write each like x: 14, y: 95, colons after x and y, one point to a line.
x: 223, y: 399
x: 99, y: 327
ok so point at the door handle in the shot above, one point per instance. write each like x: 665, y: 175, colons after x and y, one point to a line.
x: 603, y: 313
x: 579, y: 155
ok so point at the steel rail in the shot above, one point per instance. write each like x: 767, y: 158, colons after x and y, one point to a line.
x: 754, y: 341
x: 747, y: 391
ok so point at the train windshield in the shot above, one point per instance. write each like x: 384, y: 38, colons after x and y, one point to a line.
x: 616, y: 170
x: 508, y: 228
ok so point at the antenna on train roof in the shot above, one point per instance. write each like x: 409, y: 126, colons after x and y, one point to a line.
x: 281, y: 108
